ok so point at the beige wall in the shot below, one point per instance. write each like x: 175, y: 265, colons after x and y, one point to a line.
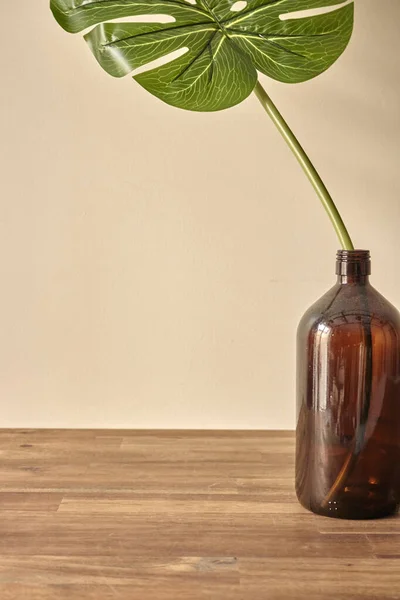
x: 155, y: 262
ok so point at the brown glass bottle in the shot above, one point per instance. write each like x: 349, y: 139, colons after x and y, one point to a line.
x: 348, y: 398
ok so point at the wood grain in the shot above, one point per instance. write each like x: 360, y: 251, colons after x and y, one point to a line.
x: 163, y: 515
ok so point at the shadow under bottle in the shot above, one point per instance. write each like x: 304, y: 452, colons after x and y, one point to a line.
x: 348, y: 398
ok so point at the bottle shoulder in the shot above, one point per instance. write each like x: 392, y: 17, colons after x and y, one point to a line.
x: 382, y: 306
x: 346, y: 304
x: 320, y: 306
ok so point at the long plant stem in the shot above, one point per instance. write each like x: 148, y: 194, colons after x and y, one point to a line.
x: 306, y: 165
x: 347, y: 244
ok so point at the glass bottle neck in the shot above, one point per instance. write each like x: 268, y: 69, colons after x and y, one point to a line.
x: 353, y: 267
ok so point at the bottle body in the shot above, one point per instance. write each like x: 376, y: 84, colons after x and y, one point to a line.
x: 348, y: 399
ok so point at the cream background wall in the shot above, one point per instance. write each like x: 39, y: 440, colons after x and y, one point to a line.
x: 155, y: 262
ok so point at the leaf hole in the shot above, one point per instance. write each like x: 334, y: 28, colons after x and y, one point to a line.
x: 238, y: 6
x: 191, y: 1
x: 313, y: 12
x: 158, y: 18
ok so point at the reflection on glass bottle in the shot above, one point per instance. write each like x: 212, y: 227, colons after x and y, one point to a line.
x: 348, y: 398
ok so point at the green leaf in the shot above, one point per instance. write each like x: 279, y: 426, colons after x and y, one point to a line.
x: 223, y: 49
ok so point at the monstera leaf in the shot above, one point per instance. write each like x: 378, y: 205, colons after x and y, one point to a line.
x: 223, y: 47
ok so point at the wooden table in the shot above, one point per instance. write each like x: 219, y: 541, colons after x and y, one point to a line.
x: 125, y: 515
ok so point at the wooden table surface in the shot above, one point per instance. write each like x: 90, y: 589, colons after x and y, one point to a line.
x: 170, y: 515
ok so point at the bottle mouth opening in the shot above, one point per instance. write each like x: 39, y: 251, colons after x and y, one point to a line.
x: 353, y: 255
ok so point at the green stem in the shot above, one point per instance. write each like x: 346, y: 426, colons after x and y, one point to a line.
x: 307, y: 166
